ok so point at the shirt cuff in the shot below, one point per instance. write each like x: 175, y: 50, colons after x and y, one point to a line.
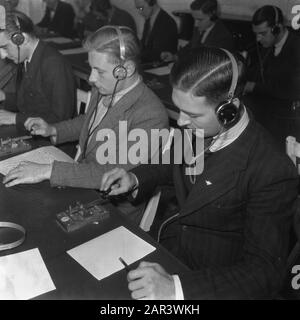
x: 178, y: 288
x: 135, y: 188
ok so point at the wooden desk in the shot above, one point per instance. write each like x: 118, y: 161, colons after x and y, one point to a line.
x: 35, y: 206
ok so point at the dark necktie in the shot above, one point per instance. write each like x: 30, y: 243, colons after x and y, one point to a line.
x: 146, y: 32
x: 20, y: 74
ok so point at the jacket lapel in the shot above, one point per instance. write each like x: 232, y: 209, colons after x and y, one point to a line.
x: 115, y: 114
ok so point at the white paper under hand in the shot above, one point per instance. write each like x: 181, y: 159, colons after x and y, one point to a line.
x: 100, y: 256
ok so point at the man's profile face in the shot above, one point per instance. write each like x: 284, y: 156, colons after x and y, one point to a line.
x: 264, y: 35
x: 202, y: 20
x: 143, y: 8
x: 9, y: 50
x: 196, y: 113
x: 102, y: 72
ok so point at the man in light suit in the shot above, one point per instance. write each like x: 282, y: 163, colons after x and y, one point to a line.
x: 232, y: 228
x: 119, y: 94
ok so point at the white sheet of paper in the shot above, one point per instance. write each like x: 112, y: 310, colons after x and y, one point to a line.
x: 73, y: 51
x: 43, y: 155
x: 161, y: 71
x: 100, y: 256
x: 24, y: 276
x: 58, y: 40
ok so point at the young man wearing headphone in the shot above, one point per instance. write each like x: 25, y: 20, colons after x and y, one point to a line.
x: 118, y: 94
x: 274, y: 74
x: 45, y: 82
x: 232, y: 228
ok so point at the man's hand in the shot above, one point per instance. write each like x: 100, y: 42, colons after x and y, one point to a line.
x: 7, y: 117
x: 28, y: 172
x: 167, y: 56
x: 151, y: 282
x: 2, y: 95
x: 38, y: 126
x: 119, y: 180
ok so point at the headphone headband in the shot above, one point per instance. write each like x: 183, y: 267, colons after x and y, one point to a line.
x: 235, y: 74
x: 121, y: 42
x: 276, y: 16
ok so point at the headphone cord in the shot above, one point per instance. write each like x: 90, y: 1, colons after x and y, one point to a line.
x: 91, y: 131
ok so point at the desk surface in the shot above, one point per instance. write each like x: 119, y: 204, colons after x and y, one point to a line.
x: 35, y: 207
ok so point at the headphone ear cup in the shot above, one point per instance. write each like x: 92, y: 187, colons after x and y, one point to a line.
x: 17, y: 38
x: 228, y: 114
x: 120, y: 72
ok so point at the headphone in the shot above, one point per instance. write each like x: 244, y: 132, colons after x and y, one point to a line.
x: 276, y: 29
x: 120, y: 72
x: 228, y: 114
x: 17, y: 36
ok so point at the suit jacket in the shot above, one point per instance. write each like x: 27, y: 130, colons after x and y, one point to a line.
x: 119, y: 18
x: 140, y: 107
x: 281, y: 72
x: 47, y: 89
x: 219, y: 36
x: 233, y: 226
x: 62, y: 22
x: 163, y: 37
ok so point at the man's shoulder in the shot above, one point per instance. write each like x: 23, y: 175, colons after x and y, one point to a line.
x: 265, y: 155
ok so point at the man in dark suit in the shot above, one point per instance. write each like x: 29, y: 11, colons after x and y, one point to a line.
x: 45, y: 81
x: 274, y: 75
x: 209, y: 29
x: 159, y: 33
x: 59, y: 18
x: 234, y: 218
x: 102, y: 13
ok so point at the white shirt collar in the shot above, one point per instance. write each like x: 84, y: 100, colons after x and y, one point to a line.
x: 206, y: 32
x: 32, y: 52
x: 122, y: 93
x: 229, y: 136
x: 278, y: 46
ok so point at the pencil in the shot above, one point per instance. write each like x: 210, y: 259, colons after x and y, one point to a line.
x: 125, y: 264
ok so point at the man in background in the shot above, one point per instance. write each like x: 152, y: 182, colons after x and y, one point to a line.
x: 45, y: 84
x: 160, y: 31
x: 58, y: 18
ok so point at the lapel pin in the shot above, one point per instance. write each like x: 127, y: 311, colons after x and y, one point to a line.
x: 208, y: 183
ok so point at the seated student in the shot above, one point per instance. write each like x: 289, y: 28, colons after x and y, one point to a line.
x: 233, y: 225
x: 119, y: 95
x: 59, y: 18
x: 209, y: 29
x: 46, y: 86
x: 274, y: 77
x: 102, y: 13
x: 160, y: 31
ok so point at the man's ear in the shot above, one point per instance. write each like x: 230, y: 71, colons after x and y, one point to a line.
x: 130, y: 66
